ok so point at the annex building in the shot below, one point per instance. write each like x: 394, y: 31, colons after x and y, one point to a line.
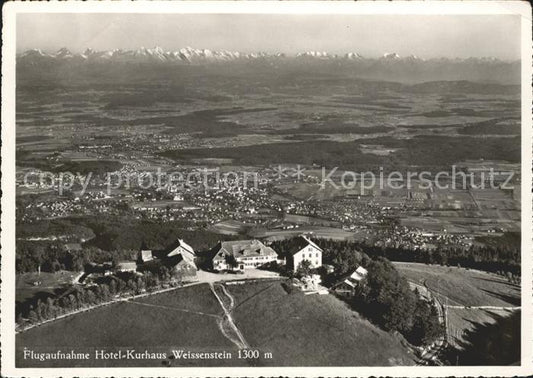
x: 302, y: 249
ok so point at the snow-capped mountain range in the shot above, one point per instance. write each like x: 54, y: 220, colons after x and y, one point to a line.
x: 63, y: 64
x: 184, y: 55
x: 189, y: 55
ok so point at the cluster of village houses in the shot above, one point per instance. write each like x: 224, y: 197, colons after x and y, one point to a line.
x: 234, y: 256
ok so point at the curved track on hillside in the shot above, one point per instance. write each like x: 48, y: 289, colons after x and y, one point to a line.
x: 226, y: 324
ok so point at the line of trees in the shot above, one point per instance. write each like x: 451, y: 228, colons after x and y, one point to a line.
x: 503, y: 260
x: 386, y: 298
x: 52, y: 256
x: 427, y: 152
x: 38, y: 309
x: 114, y: 238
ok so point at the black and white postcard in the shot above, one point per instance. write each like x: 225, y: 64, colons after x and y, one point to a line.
x: 266, y: 189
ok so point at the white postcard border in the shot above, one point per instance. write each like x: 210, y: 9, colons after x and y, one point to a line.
x: 7, y: 236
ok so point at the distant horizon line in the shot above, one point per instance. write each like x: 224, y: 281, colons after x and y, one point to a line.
x: 324, y: 53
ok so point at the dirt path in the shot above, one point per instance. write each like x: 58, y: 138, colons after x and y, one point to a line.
x: 231, y: 299
x: 432, y: 353
x: 510, y: 308
x: 226, y: 324
x: 174, y: 309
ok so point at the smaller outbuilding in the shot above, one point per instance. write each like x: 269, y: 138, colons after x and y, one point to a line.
x: 145, y: 255
x: 179, y: 257
x: 348, y: 285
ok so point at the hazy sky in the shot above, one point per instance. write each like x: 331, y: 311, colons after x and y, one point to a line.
x: 425, y: 36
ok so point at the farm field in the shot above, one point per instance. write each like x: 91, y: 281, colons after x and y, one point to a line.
x: 30, y: 284
x: 486, y: 338
x: 464, y: 322
x: 228, y: 227
x: 310, y: 330
x: 472, y: 328
x: 463, y: 287
x: 317, y: 231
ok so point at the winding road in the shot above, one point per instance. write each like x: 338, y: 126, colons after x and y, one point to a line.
x: 431, y: 355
